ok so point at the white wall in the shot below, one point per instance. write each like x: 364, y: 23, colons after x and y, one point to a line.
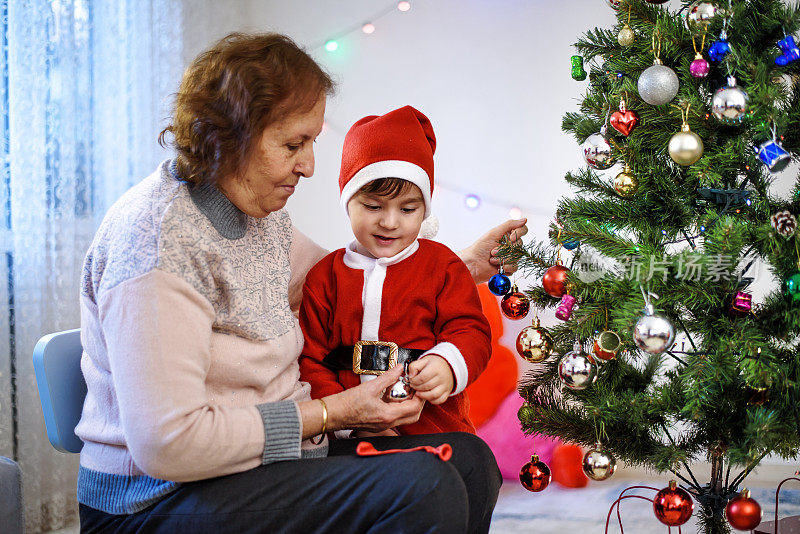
x: 493, y: 76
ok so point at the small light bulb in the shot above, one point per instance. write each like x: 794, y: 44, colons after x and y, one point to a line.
x: 515, y: 213
x: 404, y: 6
x: 472, y: 202
x: 368, y: 28
x: 331, y: 46
x: 748, y: 202
x: 702, y: 228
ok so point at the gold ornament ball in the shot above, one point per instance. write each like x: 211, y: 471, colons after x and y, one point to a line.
x: 626, y: 184
x: 625, y: 36
x: 685, y: 147
x: 534, y: 343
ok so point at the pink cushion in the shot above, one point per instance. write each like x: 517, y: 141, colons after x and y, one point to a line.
x: 503, y: 433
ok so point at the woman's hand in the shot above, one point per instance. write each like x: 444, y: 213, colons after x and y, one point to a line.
x: 481, y: 257
x: 364, y: 407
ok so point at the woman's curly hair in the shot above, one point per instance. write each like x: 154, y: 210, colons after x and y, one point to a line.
x: 231, y: 93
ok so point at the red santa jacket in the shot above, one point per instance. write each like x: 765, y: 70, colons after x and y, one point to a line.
x: 422, y: 298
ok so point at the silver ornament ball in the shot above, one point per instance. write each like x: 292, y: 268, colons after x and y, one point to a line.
x: 576, y: 370
x: 653, y: 333
x: 685, y: 147
x: 599, y: 464
x: 597, y: 151
x: 729, y: 103
x: 658, y: 84
x: 700, y: 15
x: 401, y: 391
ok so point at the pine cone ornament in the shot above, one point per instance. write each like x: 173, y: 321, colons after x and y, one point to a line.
x: 784, y: 223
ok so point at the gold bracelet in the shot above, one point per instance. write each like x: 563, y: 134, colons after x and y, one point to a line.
x: 324, y: 423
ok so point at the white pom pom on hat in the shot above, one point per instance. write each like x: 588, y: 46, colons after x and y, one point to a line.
x: 429, y: 228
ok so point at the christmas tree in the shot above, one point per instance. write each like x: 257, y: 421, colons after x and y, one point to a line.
x: 662, y: 357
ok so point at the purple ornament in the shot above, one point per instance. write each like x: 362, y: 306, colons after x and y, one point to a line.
x: 790, y: 51
x: 699, y: 67
x: 564, y: 310
x: 741, y: 304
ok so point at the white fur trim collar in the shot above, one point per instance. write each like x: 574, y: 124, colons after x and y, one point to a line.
x: 357, y: 260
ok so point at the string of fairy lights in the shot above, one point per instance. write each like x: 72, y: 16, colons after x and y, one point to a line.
x: 472, y: 200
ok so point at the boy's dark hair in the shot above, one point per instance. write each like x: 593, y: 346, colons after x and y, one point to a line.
x: 386, y: 187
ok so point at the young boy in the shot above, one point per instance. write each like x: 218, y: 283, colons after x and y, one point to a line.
x: 390, y: 286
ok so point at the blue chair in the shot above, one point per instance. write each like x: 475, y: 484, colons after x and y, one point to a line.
x: 62, y: 389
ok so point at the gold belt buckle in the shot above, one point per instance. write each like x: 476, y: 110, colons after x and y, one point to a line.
x: 357, y: 356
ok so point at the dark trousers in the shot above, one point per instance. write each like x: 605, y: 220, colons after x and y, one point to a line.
x: 343, y: 493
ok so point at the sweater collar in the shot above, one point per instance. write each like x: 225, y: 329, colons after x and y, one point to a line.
x: 225, y: 217
x: 357, y: 260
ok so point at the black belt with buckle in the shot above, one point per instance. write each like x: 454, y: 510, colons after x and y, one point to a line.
x: 369, y: 357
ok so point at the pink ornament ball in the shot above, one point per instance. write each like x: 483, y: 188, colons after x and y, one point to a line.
x: 699, y: 68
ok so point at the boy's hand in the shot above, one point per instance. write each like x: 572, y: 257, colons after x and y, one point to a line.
x: 432, y: 378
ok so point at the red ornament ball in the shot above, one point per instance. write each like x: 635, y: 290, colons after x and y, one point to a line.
x: 743, y: 512
x: 534, y: 475
x: 554, y: 282
x: 515, y: 305
x: 673, y: 506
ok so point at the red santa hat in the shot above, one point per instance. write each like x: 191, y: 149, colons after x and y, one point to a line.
x: 399, y: 144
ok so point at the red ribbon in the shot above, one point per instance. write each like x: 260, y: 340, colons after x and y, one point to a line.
x: 443, y: 451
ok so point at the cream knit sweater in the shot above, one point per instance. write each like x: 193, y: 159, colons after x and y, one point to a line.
x: 190, y: 343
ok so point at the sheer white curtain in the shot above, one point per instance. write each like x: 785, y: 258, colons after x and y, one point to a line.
x: 85, y: 89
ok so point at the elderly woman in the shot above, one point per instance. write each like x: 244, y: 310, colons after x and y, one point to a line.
x: 195, y: 419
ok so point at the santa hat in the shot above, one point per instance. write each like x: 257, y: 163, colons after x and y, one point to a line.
x: 399, y: 144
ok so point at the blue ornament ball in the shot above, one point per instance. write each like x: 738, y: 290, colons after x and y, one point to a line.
x: 499, y: 284
x: 571, y: 244
x: 718, y: 50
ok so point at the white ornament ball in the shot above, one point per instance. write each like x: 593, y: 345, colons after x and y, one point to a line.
x: 597, y: 151
x: 685, y: 148
x: 653, y: 333
x: 658, y: 85
x: 729, y: 103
